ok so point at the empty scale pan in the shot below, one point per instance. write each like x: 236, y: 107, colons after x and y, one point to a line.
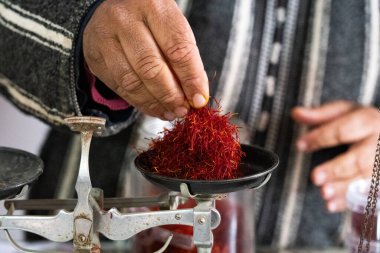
x: 17, y: 169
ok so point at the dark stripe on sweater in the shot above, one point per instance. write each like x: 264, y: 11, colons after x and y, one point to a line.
x: 245, y: 101
x: 212, y: 33
x: 50, y: 26
x: 22, y: 30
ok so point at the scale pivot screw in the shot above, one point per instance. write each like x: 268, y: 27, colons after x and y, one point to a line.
x: 178, y: 216
x: 82, y: 238
x: 202, y: 220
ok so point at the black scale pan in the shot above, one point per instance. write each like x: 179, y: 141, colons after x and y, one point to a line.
x: 17, y: 168
x: 257, y: 165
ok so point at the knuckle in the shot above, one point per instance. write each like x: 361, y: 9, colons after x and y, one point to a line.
x: 160, y: 7
x: 118, y: 12
x: 93, y: 58
x: 336, y: 171
x: 181, y: 52
x: 92, y: 54
x: 340, y: 134
x: 191, y: 82
x: 153, y: 106
x: 129, y: 82
x: 363, y: 166
x: 169, y: 97
x: 149, y: 66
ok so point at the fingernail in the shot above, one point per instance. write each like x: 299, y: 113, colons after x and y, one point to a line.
x: 328, y: 192
x: 301, y: 145
x: 169, y: 116
x: 332, y: 207
x: 320, y: 178
x: 180, y: 111
x: 199, y: 101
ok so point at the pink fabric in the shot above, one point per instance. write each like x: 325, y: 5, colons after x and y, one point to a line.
x: 115, y: 104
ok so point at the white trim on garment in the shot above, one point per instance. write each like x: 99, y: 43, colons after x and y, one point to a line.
x: 372, y: 53
x: 31, y: 104
x: 237, y: 56
x: 34, y: 30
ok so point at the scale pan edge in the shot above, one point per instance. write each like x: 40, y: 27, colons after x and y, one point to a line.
x: 258, y: 164
x: 17, y: 168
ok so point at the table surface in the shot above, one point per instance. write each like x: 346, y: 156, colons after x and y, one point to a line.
x: 330, y: 250
x: 123, y: 248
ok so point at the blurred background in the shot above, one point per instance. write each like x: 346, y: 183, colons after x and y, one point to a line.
x: 18, y: 130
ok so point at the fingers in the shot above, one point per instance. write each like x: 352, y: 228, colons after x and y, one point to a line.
x: 334, y: 176
x: 322, y: 114
x: 340, y: 168
x: 336, y: 205
x: 128, y: 47
x: 148, y: 63
x: 357, y: 161
x: 334, y: 190
x: 334, y: 194
x: 346, y: 129
x: 176, y: 40
x: 128, y: 85
x: 114, y: 70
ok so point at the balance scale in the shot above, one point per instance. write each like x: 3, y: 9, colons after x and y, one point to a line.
x: 93, y: 215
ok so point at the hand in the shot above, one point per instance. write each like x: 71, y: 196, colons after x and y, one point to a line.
x: 145, y: 51
x: 337, y: 123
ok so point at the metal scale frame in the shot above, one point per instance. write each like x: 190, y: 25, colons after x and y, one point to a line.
x: 93, y: 215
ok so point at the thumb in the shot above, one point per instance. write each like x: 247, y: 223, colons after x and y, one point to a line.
x: 321, y: 114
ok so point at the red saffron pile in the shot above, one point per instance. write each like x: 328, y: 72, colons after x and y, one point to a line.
x: 204, y: 145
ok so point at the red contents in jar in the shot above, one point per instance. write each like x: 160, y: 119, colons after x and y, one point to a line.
x: 357, y: 221
x: 204, y: 145
x: 228, y: 236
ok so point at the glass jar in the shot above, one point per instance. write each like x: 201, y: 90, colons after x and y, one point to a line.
x: 145, y: 129
x: 235, y: 234
x: 357, y: 195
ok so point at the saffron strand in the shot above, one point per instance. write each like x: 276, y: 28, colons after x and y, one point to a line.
x: 204, y: 145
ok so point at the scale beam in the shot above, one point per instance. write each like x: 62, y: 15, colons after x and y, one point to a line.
x: 57, y: 228
x: 89, y: 218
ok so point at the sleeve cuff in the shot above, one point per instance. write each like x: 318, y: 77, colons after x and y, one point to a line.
x: 112, y: 101
x: 95, y: 98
